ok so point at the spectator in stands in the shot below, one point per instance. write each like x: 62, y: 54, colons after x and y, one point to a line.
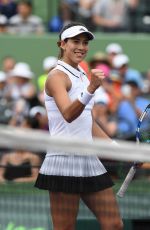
x: 20, y: 109
x: 8, y: 8
x: 3, y: 24
x: 48, y: 64
x: 102, y: 113
x: 55, y: 23
x: 125, y: 72
x: 112, y: 15
x: 77, y: 10
x: 84, y: 13
x: 112, y: 49
x: 142, y: 17
x: 146, y: 88
x: 121, y: 64
x: 21, y: 91
x: 5, y: 104
x: 130, y: 109
x: 107, y: 121
x: 21, y: 85
x: 8, y: 63
x: 2, y: 84
x: 39, y: 113
x: 111, y: 88
x: 98, y: 58
x: 68, y: 10
x: 20, y: 165
x: 24, y: 22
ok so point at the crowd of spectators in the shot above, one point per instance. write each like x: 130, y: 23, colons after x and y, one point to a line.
x: 20, y: 106
x: 119, y: 103
x: 104, y: 15
x: 16, y: 17
x: 19, y: 16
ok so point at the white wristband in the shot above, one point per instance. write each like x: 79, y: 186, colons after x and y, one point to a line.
x: 85, y: 97
x: 114, y: 143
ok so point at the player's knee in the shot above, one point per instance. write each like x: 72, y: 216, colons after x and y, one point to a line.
x: 115, y: 225
x: 118, y: 225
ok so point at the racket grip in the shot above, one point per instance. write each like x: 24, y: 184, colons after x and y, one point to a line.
x: 127, y: 181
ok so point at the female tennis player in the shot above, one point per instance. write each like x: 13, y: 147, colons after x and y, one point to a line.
x: 69, y: 101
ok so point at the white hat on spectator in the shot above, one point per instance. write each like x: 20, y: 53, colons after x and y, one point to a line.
x: 21, y: 70
x: 120, y: 60
x: 101, y: 97
x: 23, y: 65
x: 3, y: 20
x: 2, y: 76
x: 114, y: 48
x: 37, y: 110
x: 49, y: 62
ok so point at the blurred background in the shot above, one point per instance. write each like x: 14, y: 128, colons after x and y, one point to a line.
x: 55, y: 13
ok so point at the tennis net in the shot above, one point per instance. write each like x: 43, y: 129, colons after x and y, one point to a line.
x: 23, y: 207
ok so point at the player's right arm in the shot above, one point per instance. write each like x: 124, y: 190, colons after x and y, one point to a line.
x: 57, y: 86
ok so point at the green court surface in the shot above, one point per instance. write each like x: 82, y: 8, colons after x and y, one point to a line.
x: 23, y: 207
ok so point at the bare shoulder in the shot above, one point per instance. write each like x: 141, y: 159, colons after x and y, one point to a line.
x: 56, y: 75
x: 57, y: 79
x: 5, y: 157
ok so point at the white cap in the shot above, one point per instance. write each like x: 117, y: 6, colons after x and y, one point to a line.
x: 101, y: 96
x: 113, y: 48
x: 120, y: 60
x: 49, y: 62
x: 21, y: 70
x: 74, y: 31
x: 2, y: 76
x: 37, y: 109
x: 22, y: 65
x: 3, y: 20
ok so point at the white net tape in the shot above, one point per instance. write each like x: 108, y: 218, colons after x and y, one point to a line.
x: 41, y: 141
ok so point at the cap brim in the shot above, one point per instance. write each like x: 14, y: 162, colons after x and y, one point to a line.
x: 89, y: 35
x: 75, y: 31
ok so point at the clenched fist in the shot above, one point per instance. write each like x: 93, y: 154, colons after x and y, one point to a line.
x: 97, y: 77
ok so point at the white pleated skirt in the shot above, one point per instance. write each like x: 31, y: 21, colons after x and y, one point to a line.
x: 73, y: 174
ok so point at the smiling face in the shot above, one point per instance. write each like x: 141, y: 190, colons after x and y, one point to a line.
x: 75, y: 49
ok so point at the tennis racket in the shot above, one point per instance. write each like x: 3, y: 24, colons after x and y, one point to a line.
x: 142, y: 135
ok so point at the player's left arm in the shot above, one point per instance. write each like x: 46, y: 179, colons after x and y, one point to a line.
x: 98, y: 132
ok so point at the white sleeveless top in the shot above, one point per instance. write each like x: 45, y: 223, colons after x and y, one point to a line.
x: 81, y: 127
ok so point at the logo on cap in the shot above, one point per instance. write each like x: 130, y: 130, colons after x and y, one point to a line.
x: 81, y: 29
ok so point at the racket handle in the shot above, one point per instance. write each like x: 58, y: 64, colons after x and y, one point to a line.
x: 127, y: 181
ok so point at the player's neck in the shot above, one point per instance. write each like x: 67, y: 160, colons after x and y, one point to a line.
x: 70, y: 62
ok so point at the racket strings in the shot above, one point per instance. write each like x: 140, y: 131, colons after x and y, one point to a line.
x: 144, y: 129
x: 145, y: 136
